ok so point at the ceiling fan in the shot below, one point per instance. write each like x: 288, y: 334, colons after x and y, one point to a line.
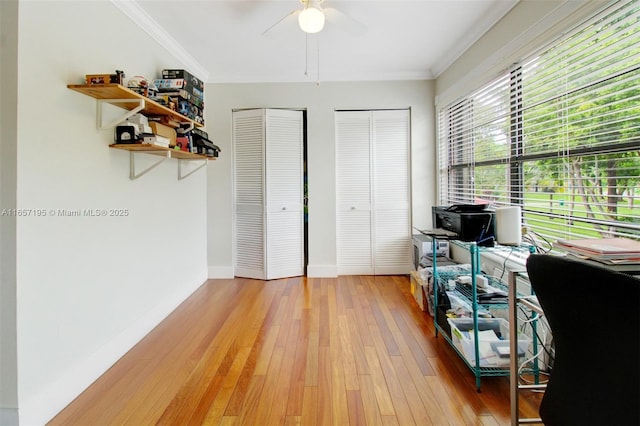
x: 312, y: 17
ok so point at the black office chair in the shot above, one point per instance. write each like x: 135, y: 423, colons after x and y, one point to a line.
x: 594, y: 316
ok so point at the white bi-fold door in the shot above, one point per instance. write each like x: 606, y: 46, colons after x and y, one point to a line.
x: 373, y: 192
x: 268, y: 193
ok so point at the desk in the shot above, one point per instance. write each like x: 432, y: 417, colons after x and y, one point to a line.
x: 514, y: 385
x: 625, y: 268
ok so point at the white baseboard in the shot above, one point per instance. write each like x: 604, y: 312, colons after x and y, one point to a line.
x: 313, y: 271
x: 221, y: 272
x: 38, y: 409
x: 9, y: 416
x: 322, y: 271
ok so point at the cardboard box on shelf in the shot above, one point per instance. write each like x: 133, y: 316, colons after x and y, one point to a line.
x: 177, y: 96
x: 177, y: 73
x: 164, y: 131
x: 174, y: 84
x: 419, y: 291
x: 116, y: 78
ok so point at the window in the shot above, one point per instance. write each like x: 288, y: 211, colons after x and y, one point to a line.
x: 557, y: 134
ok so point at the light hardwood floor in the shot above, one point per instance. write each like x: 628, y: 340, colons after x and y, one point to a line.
x: 353, y: 350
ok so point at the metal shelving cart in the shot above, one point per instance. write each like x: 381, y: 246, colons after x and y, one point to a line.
x: 470, y: 294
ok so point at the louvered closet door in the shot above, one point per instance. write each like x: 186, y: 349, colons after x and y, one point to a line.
x: 249, y: 135
x: 285, y: 249
x: 391, y: 188
x: 373, y: 192
x: 353, y: 192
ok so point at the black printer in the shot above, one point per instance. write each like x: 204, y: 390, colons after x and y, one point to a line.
x: 471, y: 222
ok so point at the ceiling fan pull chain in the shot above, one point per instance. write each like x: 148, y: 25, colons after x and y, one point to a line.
x: 306, y: 54
x: 318, y: 62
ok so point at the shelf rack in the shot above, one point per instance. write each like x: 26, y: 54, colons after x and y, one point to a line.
x: 133, y: 103
x: 474, y: 250
x: 165, y: 153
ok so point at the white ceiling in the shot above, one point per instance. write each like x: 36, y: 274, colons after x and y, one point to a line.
x: 223, y: 41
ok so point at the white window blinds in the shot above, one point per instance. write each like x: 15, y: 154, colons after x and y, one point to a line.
x: 557, y: 134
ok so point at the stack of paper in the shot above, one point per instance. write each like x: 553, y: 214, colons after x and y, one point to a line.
x: 605, y: 250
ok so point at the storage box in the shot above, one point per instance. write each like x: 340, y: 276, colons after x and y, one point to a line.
x: 419, y: 291
x: 138, y: 119
x: 182, y: 74
x: 174, y: 84
x: 178, y: 95
x: 190, y: 110
x: 493, y: 341
x: 116, y: 78
x: 164, y: 131
x: 183, y: 143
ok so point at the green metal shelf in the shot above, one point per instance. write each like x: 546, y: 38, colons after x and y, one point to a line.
x: 471, y: 295
x: 479, y: 371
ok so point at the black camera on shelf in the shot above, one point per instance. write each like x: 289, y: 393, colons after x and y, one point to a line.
x: 203, y: 144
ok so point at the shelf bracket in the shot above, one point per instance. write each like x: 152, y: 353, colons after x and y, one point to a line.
x: 132, y: 165
x: 190, y: 126
x: 181, y: 176
x: 122, y: 117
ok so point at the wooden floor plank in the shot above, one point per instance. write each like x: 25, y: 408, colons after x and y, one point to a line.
x: 380, y: 388
x: 407, y: 338
x: 309, y: 415
x: 296, y: 388
x: 356, y: 408
x: 369, y: 400
x: 247, y: 413
x: 268, y: 396
x: 401, y: 408
x: 416, y: 407
x: 419, y: 382
x: 325, y: 409
x: 353, y: 350
x: 348, y: 358
x: 223, y: 396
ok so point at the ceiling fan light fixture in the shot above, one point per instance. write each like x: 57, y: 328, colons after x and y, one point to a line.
x: 311, y: 20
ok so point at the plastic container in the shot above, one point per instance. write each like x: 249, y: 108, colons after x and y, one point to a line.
x: 493, y: 341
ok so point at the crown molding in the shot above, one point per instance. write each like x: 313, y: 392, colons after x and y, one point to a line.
x: 558, y: 20
x: 141, y: 18
x: 482, y: 26
x: 328, y: 76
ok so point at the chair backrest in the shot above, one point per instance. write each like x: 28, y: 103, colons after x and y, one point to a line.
x: 594, y: 316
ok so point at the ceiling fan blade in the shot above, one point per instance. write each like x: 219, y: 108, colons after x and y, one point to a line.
x: 345, y: 22
x: 288, y: 17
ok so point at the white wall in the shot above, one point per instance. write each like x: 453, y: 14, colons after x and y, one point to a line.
x: 320, y: 101
x: 88, y: 288
x: 528, y: 26
x: 8, y: 152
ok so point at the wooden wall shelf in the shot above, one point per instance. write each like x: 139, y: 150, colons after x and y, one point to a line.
x: 132, y: 102
x: 165, y: 153
x: 160, y: 150
x: 118, y: 95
